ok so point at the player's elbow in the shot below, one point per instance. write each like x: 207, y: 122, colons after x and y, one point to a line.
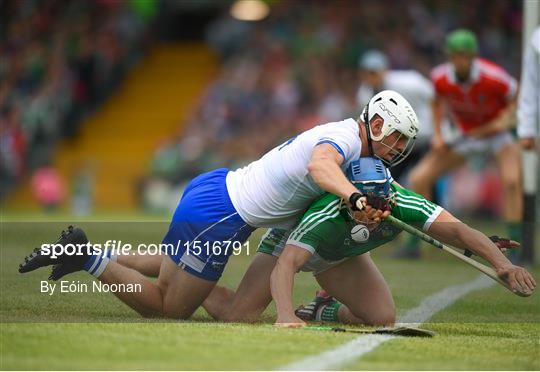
x: 318, y: 170
x: 315, y: 165
x: 321, y: 157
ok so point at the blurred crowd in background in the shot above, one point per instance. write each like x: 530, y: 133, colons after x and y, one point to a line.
x: 59, y: 62
x: 299, y: 68
x: 295, y: 69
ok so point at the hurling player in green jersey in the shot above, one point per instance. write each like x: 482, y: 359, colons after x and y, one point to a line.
x: 322, y: 243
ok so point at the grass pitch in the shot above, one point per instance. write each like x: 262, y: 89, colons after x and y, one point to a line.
x: 489, y: 329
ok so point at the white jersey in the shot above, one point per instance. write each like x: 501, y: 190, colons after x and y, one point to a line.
x: 416, y: 89
x: 275, y: 190
x: 528, y: 111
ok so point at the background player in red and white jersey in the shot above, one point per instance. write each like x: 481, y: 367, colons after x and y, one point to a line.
x: 481, y: 99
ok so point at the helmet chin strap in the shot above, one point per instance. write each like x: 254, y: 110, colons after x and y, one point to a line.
x: 368, y: 132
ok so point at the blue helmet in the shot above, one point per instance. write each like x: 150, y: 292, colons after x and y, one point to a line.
x: 370, y: 176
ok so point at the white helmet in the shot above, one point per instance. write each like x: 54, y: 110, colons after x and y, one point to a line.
x: 398, y: 115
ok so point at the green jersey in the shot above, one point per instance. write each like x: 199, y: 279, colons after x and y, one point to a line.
x: 325, y: 229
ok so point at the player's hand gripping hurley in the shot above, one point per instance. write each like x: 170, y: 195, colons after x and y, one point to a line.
x: 479, y: 266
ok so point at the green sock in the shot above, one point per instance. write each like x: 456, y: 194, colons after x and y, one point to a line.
x: 514, y: 231
x: 413, y: 243
x: 329, y: 313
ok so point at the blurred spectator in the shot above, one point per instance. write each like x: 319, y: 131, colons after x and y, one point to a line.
x: 59, y: 60
x: 12, y: 147
x: 297, y: 68
x: 81, y: 193
x: 417, y: 89
x: 529, y: 97
x: 48, y: 188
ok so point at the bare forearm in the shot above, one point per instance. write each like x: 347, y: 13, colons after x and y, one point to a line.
x: 281, y: 286
x: 464, y: 237
x: 503, y: 121
x: 329, y: 176
x: 449, y: 230
x: 480, y: 244
x: 452, y: 231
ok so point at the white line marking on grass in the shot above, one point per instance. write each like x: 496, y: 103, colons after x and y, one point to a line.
x: 333, y: 359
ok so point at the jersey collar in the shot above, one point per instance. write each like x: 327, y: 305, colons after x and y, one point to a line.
x: 474, y: 76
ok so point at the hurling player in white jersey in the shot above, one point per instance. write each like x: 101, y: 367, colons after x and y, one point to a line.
x: 222, y: 206
x: 418, y: 90
x: 415, y: 88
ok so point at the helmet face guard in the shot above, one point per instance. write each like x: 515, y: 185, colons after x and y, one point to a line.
x: 397, y: 155
x: 370, y: 177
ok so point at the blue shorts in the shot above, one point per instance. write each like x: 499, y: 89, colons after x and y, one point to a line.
x: 205, y: 227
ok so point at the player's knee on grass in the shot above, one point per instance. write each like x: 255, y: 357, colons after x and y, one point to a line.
x: 181, y: 292
x: 175, y: 307
x: 150, y: 314
x: 175, y: 313
x: 384, y: 315
x: 235, y: 315
x: 387, y: 318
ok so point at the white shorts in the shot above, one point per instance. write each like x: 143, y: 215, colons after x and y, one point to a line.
x: 487, y: 146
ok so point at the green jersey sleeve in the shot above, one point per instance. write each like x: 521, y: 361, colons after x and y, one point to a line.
x: 318, y: 222
x: 413, y: 208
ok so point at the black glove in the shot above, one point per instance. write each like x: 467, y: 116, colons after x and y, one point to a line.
x: 378, y: 202
x: 353, y: 199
